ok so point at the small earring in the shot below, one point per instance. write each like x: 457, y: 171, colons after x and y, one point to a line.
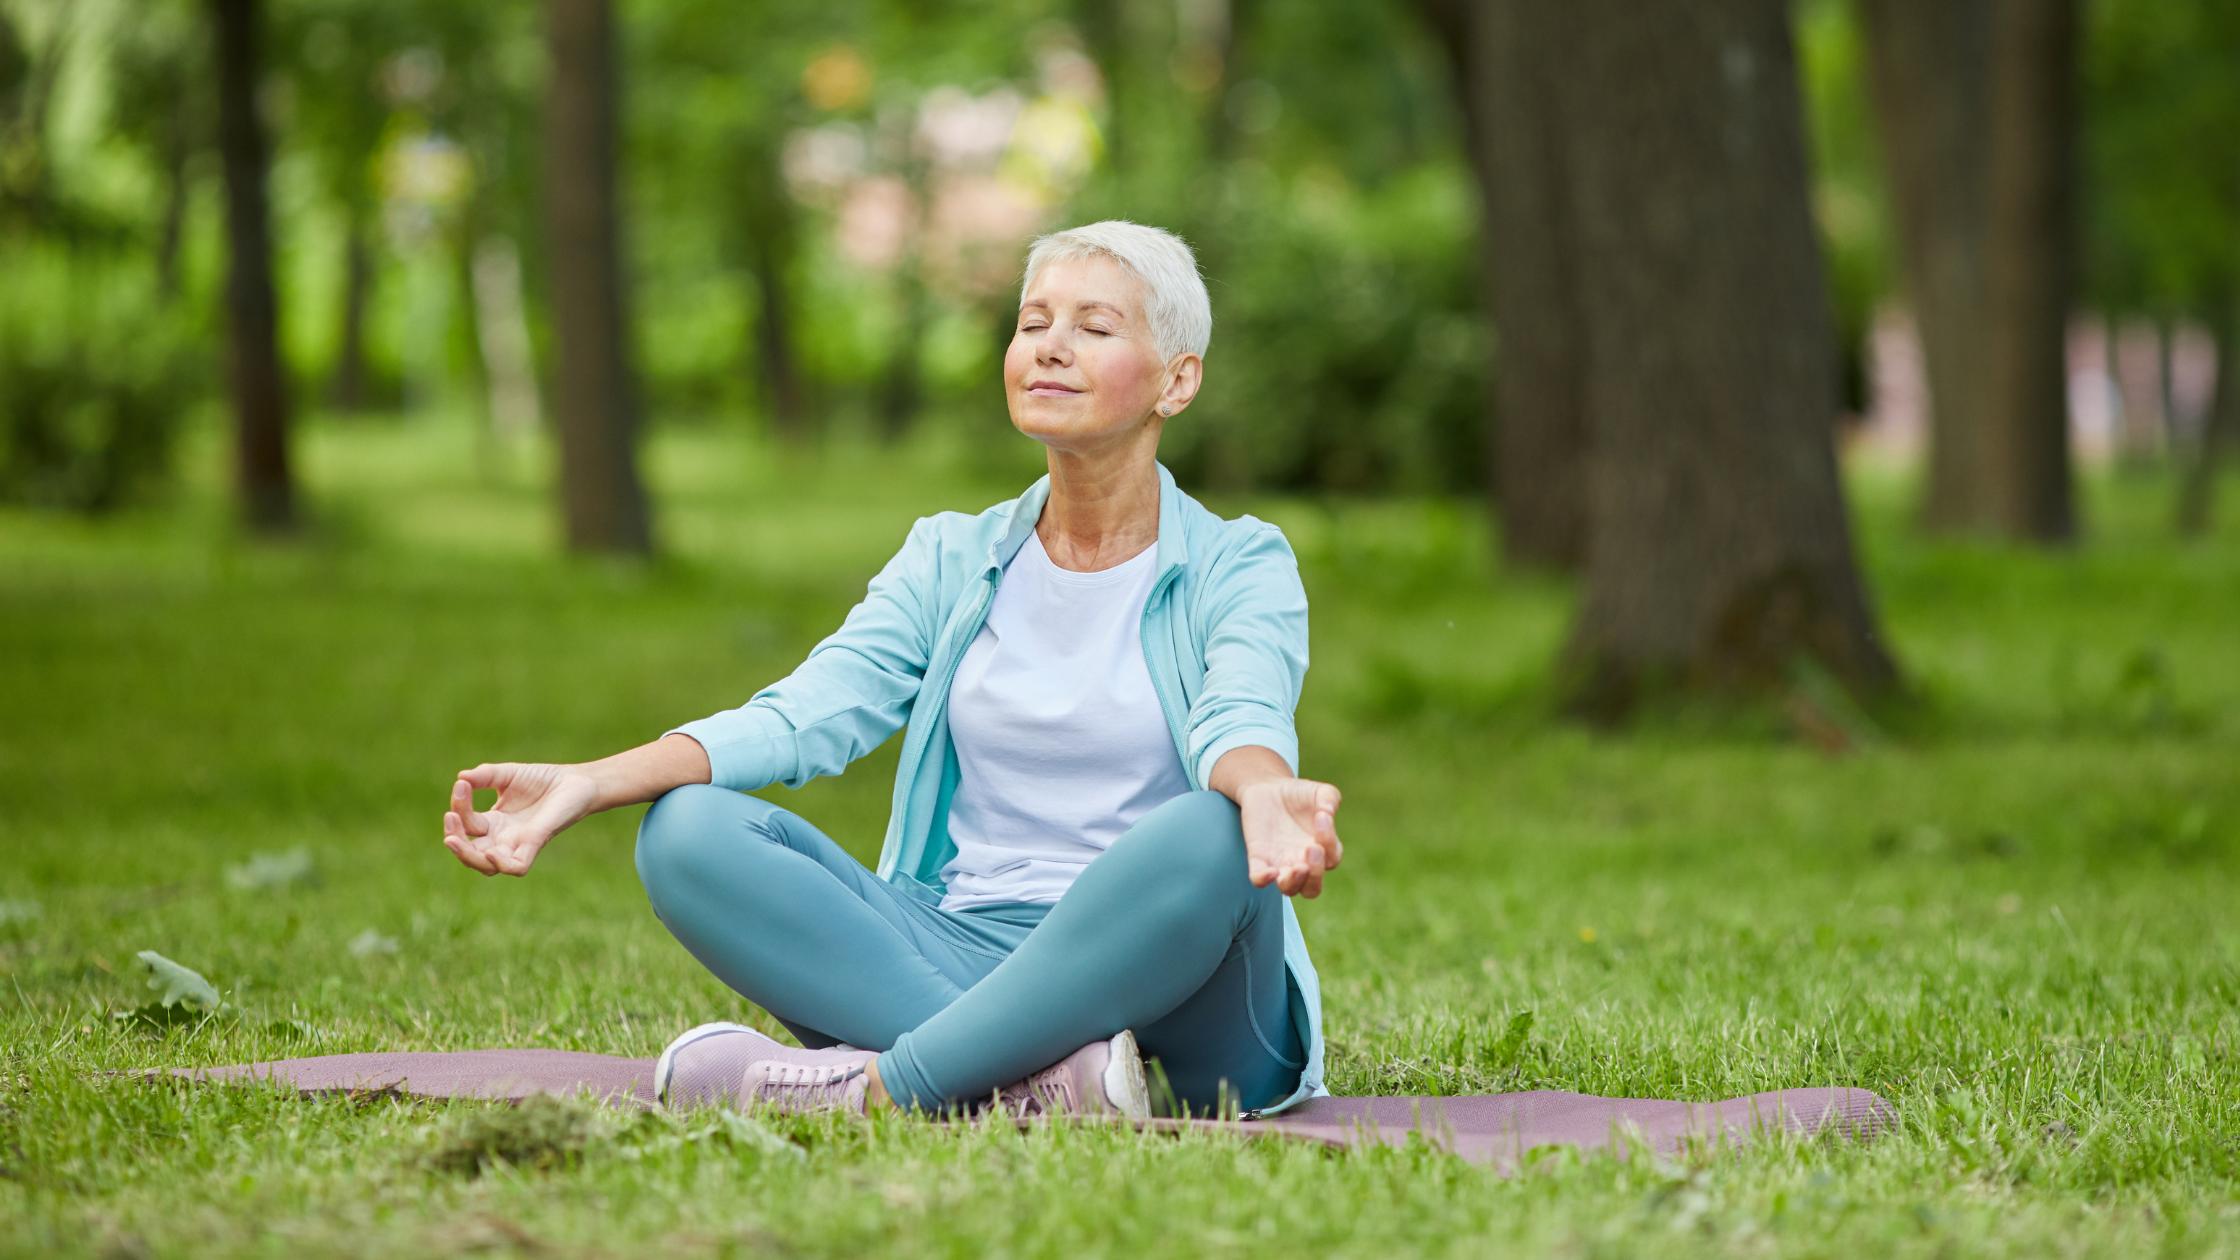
x: 1166, y: 411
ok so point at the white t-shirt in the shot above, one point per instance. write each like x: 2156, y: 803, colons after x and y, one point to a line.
x: 1061, y: 744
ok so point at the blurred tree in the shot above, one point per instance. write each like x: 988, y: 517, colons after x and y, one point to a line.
x: 709, y: 133
x: 340, y: 48
x: 161, y: 102
x: 1535, y: 433
x: 256, y: 378
x: 1850, y: 196
x: 1718, y: 549
x: 595, y: 390
x: 1975, y: 103
x: 2163, y: 219
x: 768, y: 237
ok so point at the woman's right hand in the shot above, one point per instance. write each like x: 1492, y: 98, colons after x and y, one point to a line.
x: 535, y: 803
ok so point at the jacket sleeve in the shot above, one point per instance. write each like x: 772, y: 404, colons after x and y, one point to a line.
x: 854, y: 690
x: 1255, y: 613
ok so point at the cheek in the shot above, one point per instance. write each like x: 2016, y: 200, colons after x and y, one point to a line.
x: 1122, y: 371
x: 1017, y: 358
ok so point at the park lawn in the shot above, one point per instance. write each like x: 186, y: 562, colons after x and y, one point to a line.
x: 2010, y: 910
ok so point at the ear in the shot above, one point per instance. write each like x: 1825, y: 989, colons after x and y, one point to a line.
x: 1185, y: 372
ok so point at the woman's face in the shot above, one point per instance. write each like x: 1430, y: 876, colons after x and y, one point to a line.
x: 1082, y: 371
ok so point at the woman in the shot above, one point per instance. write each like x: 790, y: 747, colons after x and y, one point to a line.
x: 1096, y: 818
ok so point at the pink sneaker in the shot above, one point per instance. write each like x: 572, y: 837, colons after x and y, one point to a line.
x: 735, y: 1066
x: 1103, y: 1078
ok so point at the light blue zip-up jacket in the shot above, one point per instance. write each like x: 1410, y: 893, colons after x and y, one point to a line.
x: 1224, y: 637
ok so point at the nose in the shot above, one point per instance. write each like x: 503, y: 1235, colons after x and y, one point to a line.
x: 1053, y: 347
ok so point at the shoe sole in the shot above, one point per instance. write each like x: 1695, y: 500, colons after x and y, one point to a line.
x: 666, y: 1067
x: 1124, y: 1084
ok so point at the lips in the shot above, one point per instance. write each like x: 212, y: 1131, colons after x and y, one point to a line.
x: 1050, y: 389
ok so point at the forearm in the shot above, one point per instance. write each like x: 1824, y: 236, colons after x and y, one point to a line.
x: 1241, y: 768
x: 647, y: 772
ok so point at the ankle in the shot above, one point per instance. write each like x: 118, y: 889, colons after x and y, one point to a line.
x: 875, y: 1090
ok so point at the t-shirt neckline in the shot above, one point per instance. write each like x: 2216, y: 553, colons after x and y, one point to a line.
x: 1118, y: 573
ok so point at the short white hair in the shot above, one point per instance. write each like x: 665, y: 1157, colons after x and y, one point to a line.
x: 1175, y: 305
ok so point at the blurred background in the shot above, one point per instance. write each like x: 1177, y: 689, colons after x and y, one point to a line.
x: 1479, y: 249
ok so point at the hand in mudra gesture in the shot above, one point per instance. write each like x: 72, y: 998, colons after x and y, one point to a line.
x: 1290, y: 834
x: 535, y: 803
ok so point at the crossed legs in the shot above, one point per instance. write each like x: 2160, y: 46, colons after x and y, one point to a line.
x: 1163, y: 934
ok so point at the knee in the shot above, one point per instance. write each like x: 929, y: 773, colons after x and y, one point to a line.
x: 688, y: 827
x: 1197, y: 840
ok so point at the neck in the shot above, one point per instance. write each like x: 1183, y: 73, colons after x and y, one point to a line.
x: 1103, y: 508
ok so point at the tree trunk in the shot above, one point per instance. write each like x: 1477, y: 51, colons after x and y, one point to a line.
x: 1972, y: 99
x: 766, y: 225
x: 1718, y: 551
x: 171, y: 230
x: 259, y: 388
x: 595, y: 395
x: 1535, y: 432
x: 2027, y: 269
x: 901, y: 392
x: 1928, y: 63
x: 349, y: 388
x: 2220, y: 438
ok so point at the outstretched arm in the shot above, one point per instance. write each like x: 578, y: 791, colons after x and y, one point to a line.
x: 539, y: 801
x: 1290, y: 824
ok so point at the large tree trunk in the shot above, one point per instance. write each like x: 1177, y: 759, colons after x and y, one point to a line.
x: 1973, y: 103
x: 1718, y: 551
x: 260, y: 396
x: 595, y: 395
x: 1535, y: 432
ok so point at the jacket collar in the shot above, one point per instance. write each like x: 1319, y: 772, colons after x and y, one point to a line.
x: 1174, y: 552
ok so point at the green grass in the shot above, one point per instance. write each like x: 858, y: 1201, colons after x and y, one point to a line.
x: 2012, y: 915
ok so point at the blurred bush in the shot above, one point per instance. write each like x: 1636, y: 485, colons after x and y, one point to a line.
x: 96, y: 379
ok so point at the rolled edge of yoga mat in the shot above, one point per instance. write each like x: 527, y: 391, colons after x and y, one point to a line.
x: 493, y: 1075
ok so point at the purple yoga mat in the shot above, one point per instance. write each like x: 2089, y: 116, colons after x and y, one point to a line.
x: 1498, y: 1129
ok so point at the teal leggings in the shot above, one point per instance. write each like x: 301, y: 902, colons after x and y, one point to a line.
x: 1163, y: 934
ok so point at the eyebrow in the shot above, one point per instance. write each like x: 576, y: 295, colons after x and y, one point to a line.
x: 1044, y: 303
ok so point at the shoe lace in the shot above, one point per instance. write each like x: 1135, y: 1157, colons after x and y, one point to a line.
x: 1047, y: 1092
x: 806, y: 1086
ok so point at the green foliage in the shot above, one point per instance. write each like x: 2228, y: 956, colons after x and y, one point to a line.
x: 95, y: 383
x: 2162, y: 103
x: 96, y: 374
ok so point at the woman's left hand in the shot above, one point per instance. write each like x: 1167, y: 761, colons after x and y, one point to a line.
x: 1290, y: 824
x: 1291, y: 834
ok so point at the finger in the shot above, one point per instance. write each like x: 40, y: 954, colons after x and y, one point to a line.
x: 518, y: 859
x: 1326, y: 836
x: 467, y: 853
x: 486, y: 775
x: 462, y: 803
x: 1311, y: 887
